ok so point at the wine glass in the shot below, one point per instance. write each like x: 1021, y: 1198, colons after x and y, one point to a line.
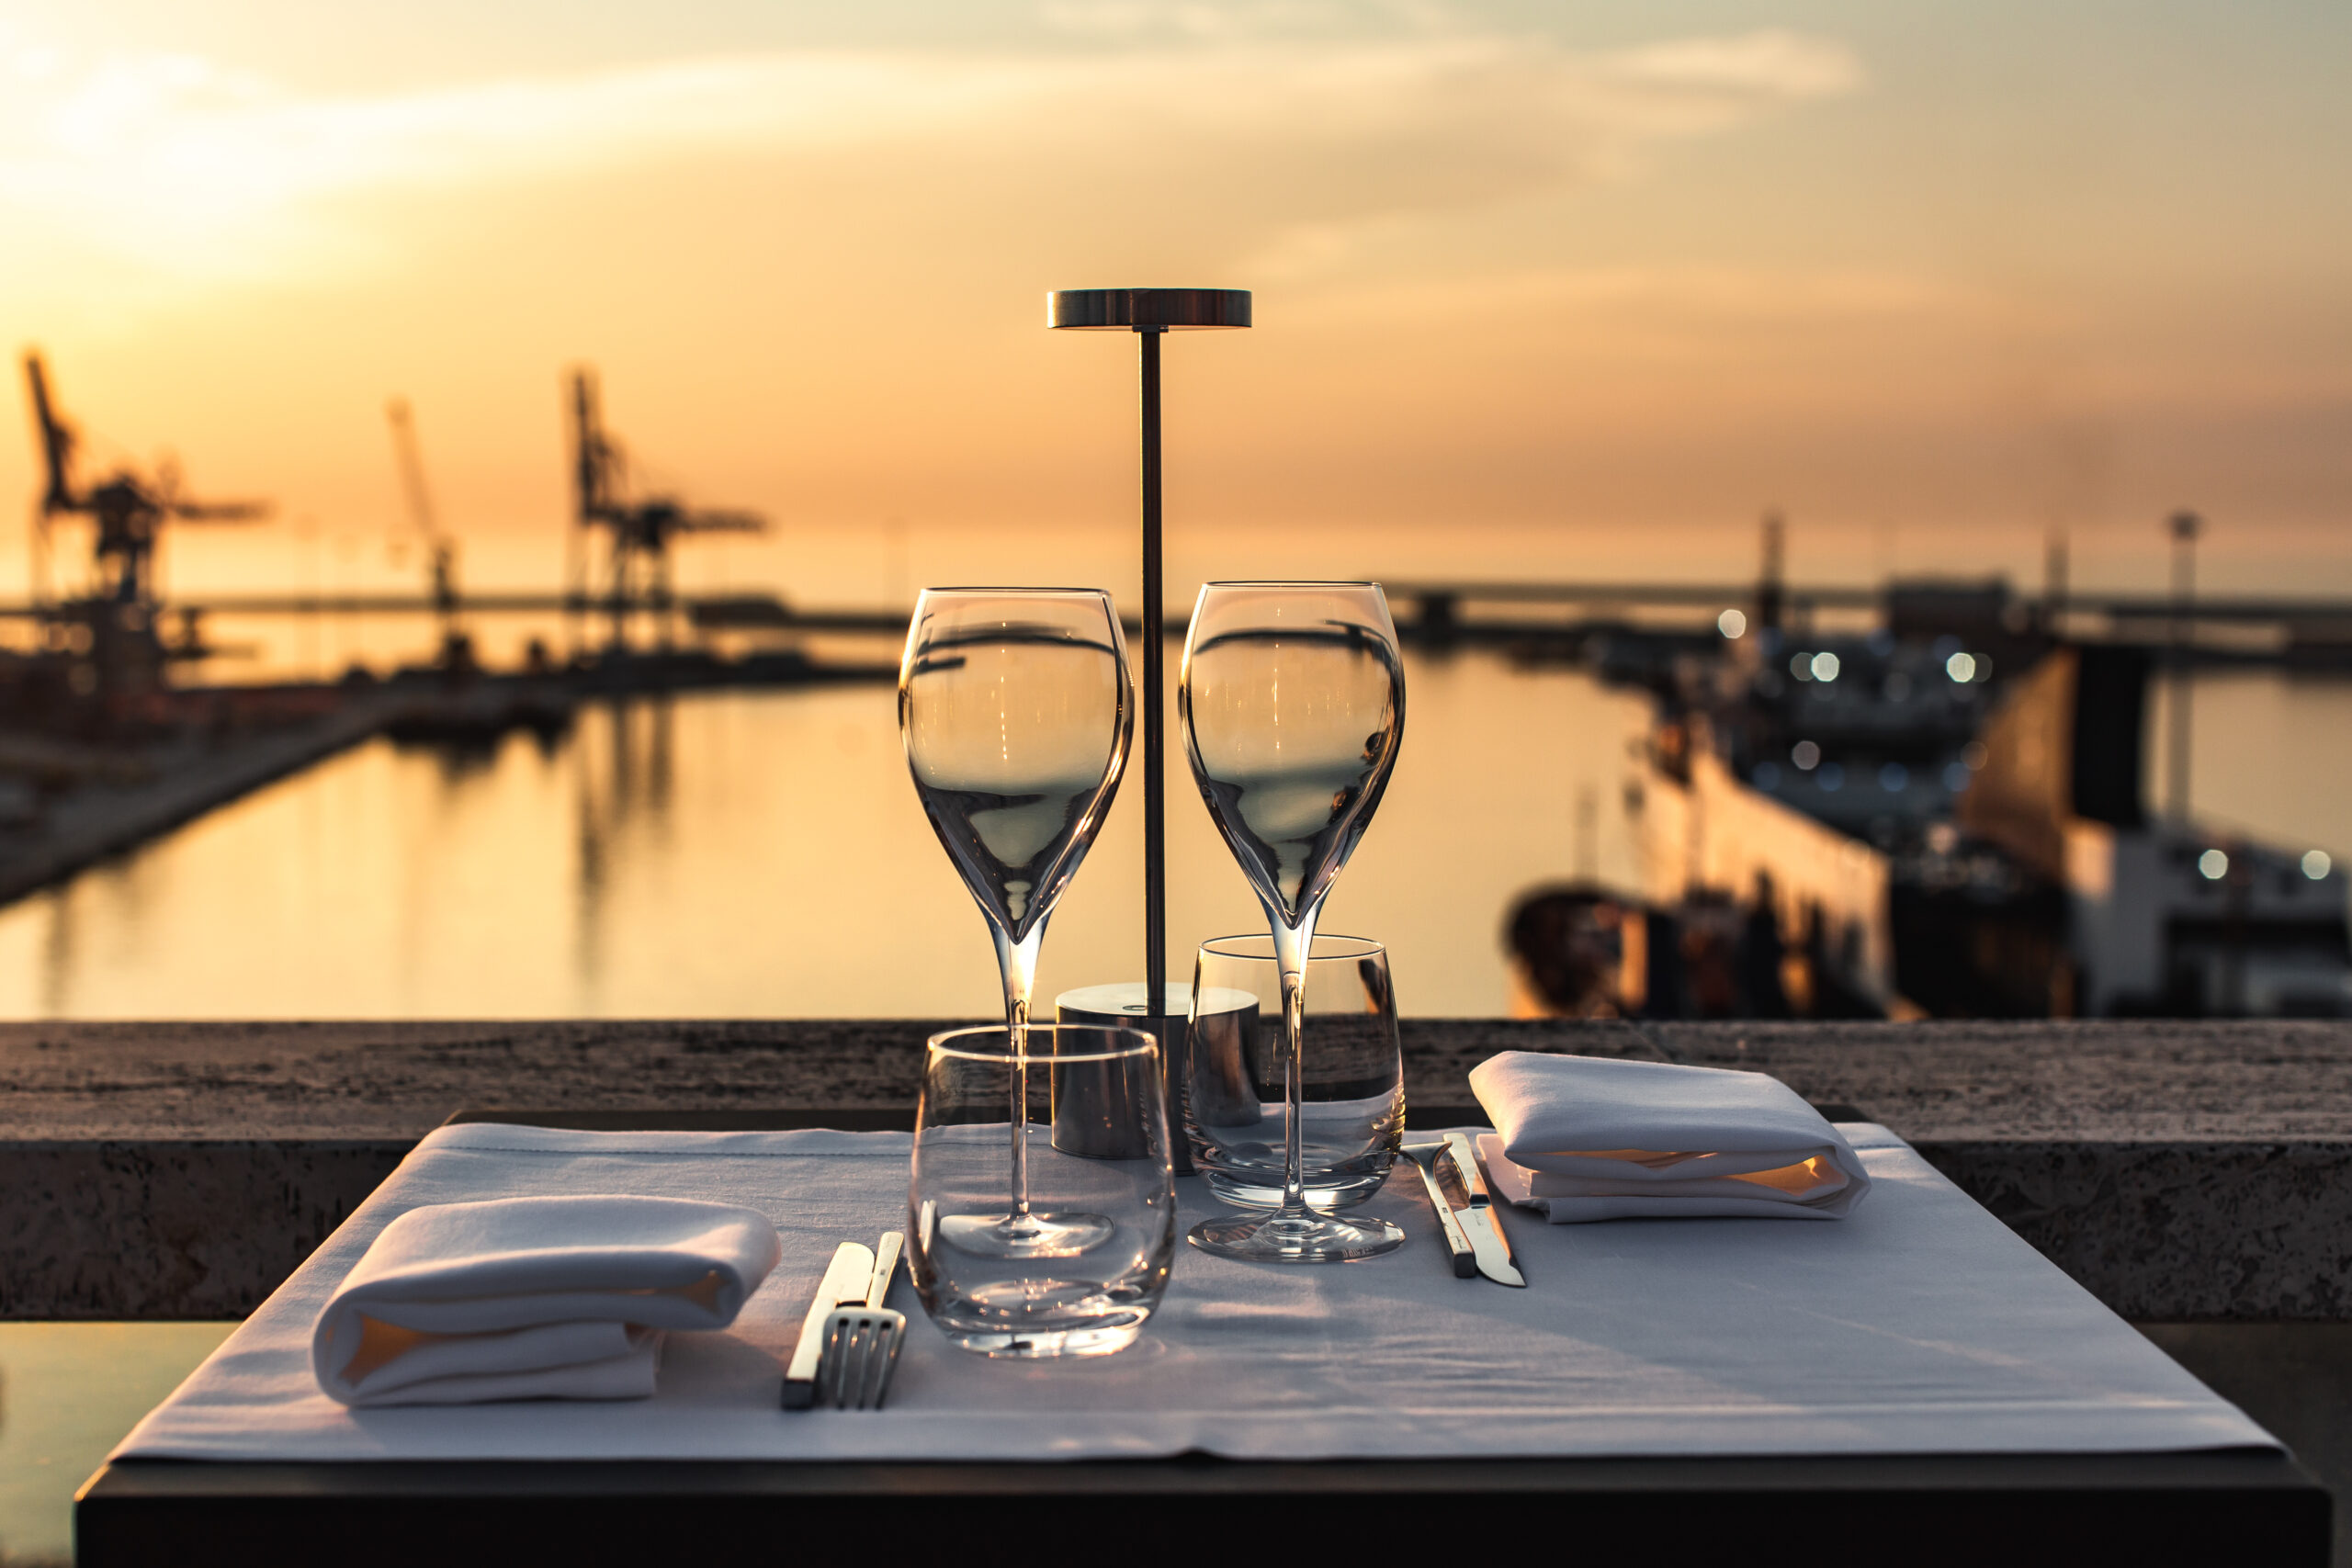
x: 1293, y: 695
x: 1016, y: 708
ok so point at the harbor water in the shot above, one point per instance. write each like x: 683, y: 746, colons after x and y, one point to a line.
x: 762, y: 854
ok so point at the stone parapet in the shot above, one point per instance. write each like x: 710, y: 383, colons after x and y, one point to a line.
x: 2179, y: 1170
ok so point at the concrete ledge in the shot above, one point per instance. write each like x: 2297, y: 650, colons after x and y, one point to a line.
x: 170, y: 1228
x: 2180, y: 1171
x: 2177, y: 1232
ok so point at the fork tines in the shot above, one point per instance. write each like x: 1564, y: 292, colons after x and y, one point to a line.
x: 861, y: 1351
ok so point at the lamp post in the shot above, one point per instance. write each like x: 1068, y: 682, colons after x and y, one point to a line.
x: 1151, y: 313
x: 2185, y: 528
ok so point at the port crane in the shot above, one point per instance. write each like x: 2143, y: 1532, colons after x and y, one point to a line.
x: 113, y: 624
x: 441, y: 548
x: 640, y: 529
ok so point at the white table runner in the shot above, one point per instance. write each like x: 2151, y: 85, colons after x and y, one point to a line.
x: 1921, y: 1324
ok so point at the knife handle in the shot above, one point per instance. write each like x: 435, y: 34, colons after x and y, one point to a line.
x: 847, y: 1279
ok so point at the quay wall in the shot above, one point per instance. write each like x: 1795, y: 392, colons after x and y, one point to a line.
x: 2180, y: 1171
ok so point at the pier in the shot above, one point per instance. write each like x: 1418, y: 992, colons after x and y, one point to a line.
x: 84, y: 803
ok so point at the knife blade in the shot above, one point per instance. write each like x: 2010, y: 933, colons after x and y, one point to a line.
x: 1458, y: 1240
x: 847, y: 1279
x: 1486, y: 1239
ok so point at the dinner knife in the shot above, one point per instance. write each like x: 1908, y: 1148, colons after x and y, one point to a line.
x: 847, y: 1280
x: 1486, y: 1239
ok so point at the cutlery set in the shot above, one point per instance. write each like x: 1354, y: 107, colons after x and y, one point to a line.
x: 1457, y: 1191
x: 849, y: 1342
x: 850, y: 1339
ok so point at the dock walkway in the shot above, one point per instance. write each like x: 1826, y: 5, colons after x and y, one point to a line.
x: 104, y: 818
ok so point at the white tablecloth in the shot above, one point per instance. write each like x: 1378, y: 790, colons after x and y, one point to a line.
x: 1921, y: 1324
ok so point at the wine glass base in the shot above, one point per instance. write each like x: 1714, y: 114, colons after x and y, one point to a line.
x: 1296, y: 1238
x: 1036, y: 1345
x: 1025, y: 1236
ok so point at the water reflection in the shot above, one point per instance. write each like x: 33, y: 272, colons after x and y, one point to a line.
x: 622, y: 810
x: 57, y: 952
x: 750, y: 854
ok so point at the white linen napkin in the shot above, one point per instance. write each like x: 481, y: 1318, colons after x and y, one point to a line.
x: 1589, y: 1138
x: 534, y: 1298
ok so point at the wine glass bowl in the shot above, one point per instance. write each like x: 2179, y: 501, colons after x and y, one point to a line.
x: 1016, y: 709
x: 1292, y: 699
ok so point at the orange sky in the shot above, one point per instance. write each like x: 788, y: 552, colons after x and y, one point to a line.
x: 1580, y: 291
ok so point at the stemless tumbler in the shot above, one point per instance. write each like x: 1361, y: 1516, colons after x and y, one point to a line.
x: 1351, y: 1072
x: 1090, y: 1296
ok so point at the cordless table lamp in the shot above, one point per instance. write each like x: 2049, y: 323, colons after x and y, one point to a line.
x: 1149, y: 313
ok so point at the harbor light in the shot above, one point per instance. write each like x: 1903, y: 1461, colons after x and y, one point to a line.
x: 1732, y: 624
x: 1801, y: 666
x: 1824, y: 667
x: 1895, y: 778
x: 1961, y: 668
x: 1805, y: 755
x: 2316, y: 864
x: 2214, y: 864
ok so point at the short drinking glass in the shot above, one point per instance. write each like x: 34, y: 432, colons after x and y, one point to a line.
x: 1091, y: 1295
x: 1351, y: 1077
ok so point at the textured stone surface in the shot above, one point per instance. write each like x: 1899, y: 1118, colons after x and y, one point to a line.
x: 2179, y: 1170
x: 399, y: 1081
x: 168, y: 1228
x: 2177, y: 1230
x: 2156, y: 1079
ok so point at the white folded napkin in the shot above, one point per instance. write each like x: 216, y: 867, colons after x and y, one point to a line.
x: 534, y: 1298
x: 1589, y: 1138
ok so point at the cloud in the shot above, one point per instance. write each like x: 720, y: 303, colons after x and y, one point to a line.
x: 190, y: 168
x: 1227, y: 19
x: 1703, y: 299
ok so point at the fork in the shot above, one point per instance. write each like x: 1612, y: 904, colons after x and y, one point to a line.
x: 1424, y: 1155
x: 862, y: 1342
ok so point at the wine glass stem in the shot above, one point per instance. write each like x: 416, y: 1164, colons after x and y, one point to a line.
x: 1017, y: 962
x: 1292, y: 944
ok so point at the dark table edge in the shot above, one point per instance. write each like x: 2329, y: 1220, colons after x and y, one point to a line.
x: 841, y: 1119
x: 2246, y: 1469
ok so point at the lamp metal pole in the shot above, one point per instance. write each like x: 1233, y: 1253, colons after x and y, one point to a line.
x: 1151, y: 314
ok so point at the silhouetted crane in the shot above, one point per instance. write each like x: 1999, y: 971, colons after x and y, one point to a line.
x: 441, y: 548
x: 116, y: 618
x: 637, y: 575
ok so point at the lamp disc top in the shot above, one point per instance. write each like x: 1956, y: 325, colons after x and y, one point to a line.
x: 1129, y: 310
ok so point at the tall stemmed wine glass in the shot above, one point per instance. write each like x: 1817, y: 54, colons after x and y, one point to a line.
x: 1294, y: 701
x: 1016, y: 708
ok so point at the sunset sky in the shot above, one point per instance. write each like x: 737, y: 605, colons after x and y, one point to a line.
x: 1565, y: 290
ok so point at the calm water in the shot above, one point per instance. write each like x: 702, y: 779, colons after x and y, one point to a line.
x: 763, y: 853
x: 68, y: 1393
x: 749, y: 854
